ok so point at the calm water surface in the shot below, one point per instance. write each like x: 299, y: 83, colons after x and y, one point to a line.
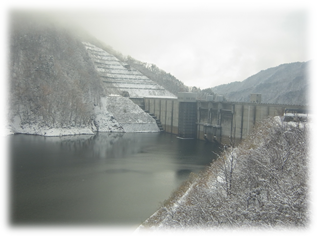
x: 108, y: 179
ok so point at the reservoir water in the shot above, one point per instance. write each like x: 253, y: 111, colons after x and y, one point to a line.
x: 108, y: 179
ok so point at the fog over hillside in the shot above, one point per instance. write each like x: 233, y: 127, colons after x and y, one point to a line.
x: 56, y: 85
x: 284, y: 84
x: 53, y: 81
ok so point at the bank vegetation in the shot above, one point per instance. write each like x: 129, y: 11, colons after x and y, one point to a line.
x: 262, y: 183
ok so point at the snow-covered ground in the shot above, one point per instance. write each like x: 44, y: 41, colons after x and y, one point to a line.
x: 129, y: 115
x: 104, y: 120
x: 223, y: 196
x: 115, y: 114
x: 37, y: 129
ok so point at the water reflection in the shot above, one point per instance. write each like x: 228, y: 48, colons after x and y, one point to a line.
x: 183, y: 172
x: 118, y: 145
x: 108, y: 178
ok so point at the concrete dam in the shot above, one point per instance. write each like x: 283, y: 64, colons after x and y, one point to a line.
x: 227, y: 122
x: 184, y: 115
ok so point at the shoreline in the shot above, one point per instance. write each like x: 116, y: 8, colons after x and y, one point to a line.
x: 69, y: 132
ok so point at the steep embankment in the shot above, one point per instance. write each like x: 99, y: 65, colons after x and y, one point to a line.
x: 261, y: 183
x: 56, y: 87
x: 284, y: 84
x: 120, y: 114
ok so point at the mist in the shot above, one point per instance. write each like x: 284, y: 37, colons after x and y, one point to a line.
x: 202, y: 47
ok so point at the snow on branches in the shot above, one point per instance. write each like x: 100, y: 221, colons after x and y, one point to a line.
x: 262, y: 183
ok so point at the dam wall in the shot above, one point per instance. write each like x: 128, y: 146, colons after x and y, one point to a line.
x: 225, y: 122
x: 166, y: 110
x: 231, y: 122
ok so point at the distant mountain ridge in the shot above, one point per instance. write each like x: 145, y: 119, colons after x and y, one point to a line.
x: 284, y: 84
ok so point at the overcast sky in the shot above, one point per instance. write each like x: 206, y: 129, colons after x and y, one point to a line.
x: 202, y: 45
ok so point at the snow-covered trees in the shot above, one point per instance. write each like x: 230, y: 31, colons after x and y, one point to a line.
x: 261, y: 183
x: 53, y: 82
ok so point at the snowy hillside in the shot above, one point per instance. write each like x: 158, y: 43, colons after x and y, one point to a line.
x: 53, y: 82
x: 115, y: 114
x: 260, y: 183
x: 58, y: 84
x: 130, y: 116
x: 118, y: 76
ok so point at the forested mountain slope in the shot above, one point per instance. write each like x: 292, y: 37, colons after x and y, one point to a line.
x: 53, y: 81
x: 262, y: 183
x: 284, y: 84
x: 56, y: 86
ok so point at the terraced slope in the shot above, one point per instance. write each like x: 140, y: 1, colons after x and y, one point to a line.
x: 119, y: 77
